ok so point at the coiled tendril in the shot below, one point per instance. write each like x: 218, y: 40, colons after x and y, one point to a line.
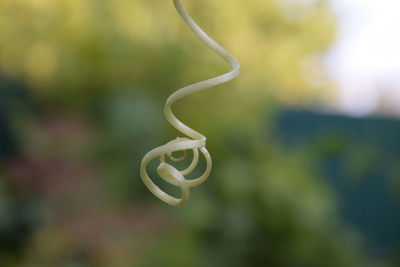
x: 194, y: 141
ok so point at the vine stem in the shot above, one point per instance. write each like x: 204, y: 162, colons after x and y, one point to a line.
x: 194, y: 141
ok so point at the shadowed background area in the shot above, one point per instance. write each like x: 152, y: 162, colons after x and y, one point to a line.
x: 294, y: 181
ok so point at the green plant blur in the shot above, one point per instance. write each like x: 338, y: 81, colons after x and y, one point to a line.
x: 98, y: 73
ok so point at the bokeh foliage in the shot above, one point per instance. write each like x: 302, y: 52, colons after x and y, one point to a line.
x: 97, y: 74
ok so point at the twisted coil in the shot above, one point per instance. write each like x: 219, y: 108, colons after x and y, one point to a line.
x: 194, y: 141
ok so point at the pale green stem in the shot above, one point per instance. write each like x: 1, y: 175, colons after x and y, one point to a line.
x: 196, y: 140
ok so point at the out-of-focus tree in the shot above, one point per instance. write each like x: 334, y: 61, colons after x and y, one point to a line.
x: 74, y: 47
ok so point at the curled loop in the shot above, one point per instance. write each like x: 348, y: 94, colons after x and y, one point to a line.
x: 194, y: 141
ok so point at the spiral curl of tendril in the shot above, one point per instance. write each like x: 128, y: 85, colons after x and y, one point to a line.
x: 194, y: 141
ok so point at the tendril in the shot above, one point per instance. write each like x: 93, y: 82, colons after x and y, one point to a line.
x: 194, y: 141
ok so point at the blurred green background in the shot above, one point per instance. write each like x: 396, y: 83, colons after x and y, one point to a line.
x: 82, y: 89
